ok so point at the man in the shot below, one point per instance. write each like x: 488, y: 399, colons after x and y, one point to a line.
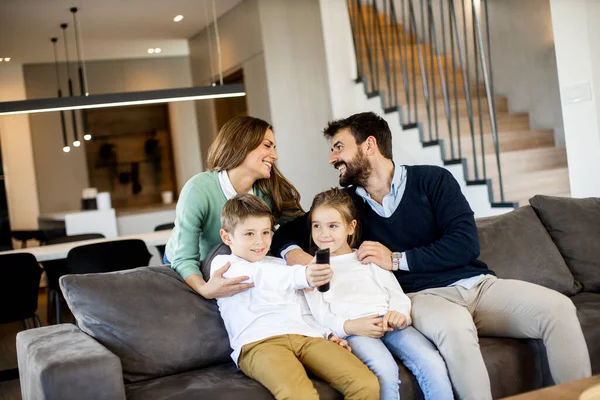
x: 416, y: 222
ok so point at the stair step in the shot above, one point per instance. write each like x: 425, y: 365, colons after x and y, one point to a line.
x: 515, y: 163
x: 552, y: 182
x: 508, y: 141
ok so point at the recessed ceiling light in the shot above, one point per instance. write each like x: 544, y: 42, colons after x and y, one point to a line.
x: 178, y: 18
x: 157, y: 50
x: 7, y: 59
x: 150, y: 51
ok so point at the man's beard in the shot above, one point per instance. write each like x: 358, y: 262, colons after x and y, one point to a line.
x: 357, y: 171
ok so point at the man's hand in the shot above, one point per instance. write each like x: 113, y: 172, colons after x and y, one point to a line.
x: 376, y: 253
x: 395, y: 320
x: 217, y: 286
x: 318, y: 274
x: 371, y: 326
x: 297, y: 257
x: 341, y: 342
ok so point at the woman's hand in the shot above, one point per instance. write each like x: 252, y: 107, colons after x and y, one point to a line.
x: 217, y: 286
x: 371, y: 326
x: 395, y: 320
x: 318, y: 274
x: 376, y: 253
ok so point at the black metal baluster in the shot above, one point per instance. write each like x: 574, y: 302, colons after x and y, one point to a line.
x: 433, y: 92
x: 489, y: 88
x: 421, y: 65
x: 478, y: 93
x: 446, y: 73
x: 456, y: 105
x: 384, y: 52
x: 439, y: 62
x: 425, y: 68
x: 467, y: 83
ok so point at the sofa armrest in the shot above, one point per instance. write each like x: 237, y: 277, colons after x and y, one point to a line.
x: 62, y: 362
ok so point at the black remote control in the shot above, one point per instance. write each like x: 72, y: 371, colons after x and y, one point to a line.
x: 323, y: 258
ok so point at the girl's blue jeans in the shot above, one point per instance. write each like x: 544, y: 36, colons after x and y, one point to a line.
x: 417, y: 353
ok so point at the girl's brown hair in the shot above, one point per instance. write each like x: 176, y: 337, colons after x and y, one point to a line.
x: 342, y: 203
x: 238, y: 137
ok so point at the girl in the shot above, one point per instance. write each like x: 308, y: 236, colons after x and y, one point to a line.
x: 366, y: 305
x: 240, y: 160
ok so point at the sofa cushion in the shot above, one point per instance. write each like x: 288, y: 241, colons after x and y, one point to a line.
x: 574, y: 225
x: 150, y: 318
x: 224, y: 382
x: 588, y: 312
x: 516, y: 246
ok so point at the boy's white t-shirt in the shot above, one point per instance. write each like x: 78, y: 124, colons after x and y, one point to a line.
x: 274, y: 306
x: 356, y: 290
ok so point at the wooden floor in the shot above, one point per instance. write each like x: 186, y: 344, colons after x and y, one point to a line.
x: 10, y: 390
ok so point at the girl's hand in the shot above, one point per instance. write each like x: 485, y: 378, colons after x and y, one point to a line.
x: 371, y: 326
x: 318, y: 274
x: 341, y: 342
x: 395, y: 320
x: 217, y: 286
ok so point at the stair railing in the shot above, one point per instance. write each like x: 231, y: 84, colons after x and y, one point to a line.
x: 397, y: 51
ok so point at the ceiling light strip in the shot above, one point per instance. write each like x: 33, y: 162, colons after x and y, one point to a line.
x: 121, y: 99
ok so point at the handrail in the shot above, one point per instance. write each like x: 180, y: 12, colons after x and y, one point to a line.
x: 389, y: 39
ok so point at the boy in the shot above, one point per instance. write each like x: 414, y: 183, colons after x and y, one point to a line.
x: 271, y: 341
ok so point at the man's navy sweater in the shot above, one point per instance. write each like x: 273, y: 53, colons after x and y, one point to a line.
x: 433, y: 225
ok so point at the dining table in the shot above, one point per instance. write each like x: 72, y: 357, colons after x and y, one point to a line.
x: 59, y: 251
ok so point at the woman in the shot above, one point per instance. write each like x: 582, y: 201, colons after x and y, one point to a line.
x: 240, y: 160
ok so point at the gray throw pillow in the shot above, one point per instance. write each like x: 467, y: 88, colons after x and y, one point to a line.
x: 574, y: 225
x: 155, y: 323
x: 516, y: 246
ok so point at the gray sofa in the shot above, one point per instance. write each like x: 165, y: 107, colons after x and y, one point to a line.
x: 143, y: 334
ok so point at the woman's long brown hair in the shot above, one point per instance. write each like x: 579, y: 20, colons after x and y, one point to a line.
x: 238, y: 137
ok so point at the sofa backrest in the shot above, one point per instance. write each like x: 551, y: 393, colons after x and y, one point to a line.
x: 574, y: 226
x: 150, y: 318
x: 517, y: 246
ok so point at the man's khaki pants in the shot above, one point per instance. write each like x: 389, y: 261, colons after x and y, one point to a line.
x: 452, y: 317
x: 279, y: 364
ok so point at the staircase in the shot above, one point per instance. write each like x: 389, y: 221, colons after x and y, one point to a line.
x: 397, y: 61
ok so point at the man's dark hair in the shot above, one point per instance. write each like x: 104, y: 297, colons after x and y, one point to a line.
x: 362, y: 126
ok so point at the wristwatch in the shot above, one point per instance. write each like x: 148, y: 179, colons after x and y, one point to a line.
x: 396, y: 257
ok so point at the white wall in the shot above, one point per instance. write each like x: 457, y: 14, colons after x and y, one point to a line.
x: 17, y: 153
x: 525, y: 61
x: 61, y: 177
x: 298, y: 92
x: 242, y: 47
x: 185, y: 141
x: 577, y: 42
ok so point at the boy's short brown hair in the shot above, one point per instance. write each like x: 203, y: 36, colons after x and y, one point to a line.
x: 242, y: 206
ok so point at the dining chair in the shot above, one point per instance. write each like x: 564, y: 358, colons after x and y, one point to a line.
x: 54, y: 270
x: 161, y: 248
x: 109, y: 256
x: 19, y: 286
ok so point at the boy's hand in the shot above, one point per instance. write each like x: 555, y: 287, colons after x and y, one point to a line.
x: 371, y: 326
x: 341, y: 342
x: 318, y: 274
x: 395, y: 320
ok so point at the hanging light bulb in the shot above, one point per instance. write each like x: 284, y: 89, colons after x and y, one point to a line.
x: 66, y: 149
x: 87, y: 136
x: 76, y: 143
